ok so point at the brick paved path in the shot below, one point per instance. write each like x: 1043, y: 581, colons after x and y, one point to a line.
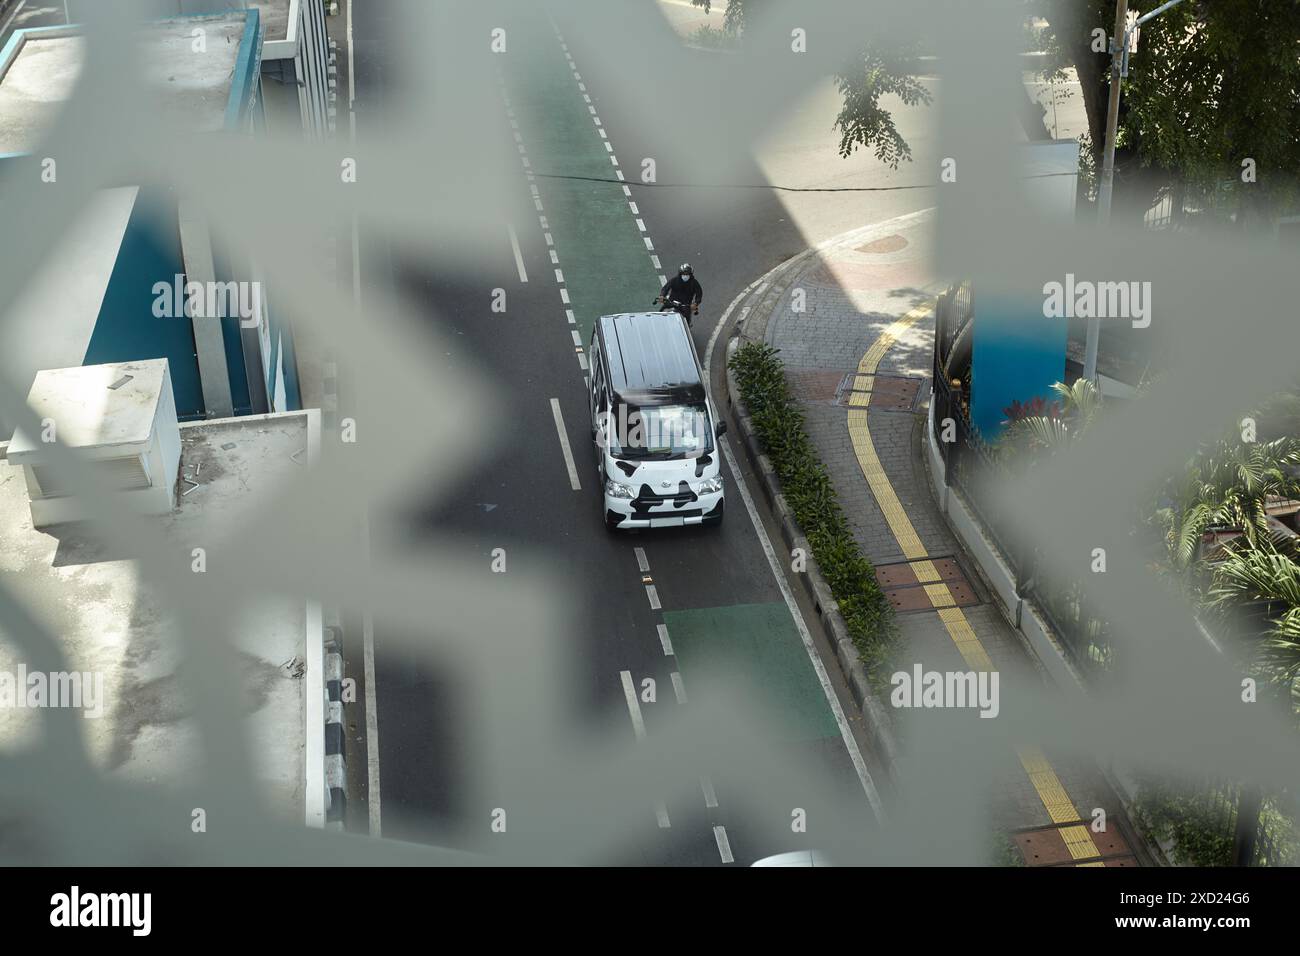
x: 862, y: 308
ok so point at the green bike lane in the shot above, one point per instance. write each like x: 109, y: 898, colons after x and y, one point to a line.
x: 721, y: 607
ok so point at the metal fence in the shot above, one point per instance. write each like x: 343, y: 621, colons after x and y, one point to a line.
x: 971, y: 466
x: 1259, y: 827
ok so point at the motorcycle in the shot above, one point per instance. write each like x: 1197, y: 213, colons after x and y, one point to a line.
x: 684, y: 309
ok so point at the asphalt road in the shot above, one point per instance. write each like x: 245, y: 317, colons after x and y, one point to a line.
x: 720, y: 600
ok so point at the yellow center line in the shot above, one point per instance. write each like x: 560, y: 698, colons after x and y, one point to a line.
x: 1078, y: 840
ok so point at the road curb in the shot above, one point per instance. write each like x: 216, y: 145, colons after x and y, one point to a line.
x: 846, y: 659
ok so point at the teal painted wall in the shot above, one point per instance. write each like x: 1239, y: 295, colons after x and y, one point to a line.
x: 126, y: 328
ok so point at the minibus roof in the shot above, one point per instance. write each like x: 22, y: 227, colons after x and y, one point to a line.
x: 650, y: 358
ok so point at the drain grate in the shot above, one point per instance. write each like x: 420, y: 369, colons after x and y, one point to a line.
x: 1046, y: 846
x: 925, y: 584
x: 889, y: 393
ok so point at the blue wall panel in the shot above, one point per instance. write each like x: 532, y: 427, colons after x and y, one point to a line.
x: 127, y: 329
x: 1016, y: 354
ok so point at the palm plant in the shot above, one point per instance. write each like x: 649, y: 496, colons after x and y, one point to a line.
x: 1048, y: 431
x: 1228, y: 485
x: 1264, y: 574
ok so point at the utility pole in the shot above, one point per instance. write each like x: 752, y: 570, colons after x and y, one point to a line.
x: 1118, y: 42
x: 1119, y: 50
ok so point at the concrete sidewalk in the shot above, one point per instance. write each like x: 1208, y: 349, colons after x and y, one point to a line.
x: 855, y: 327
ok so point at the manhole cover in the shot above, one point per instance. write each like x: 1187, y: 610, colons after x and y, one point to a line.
x: 884, y: 244
x: 906, y: 591
x: 890, y: 393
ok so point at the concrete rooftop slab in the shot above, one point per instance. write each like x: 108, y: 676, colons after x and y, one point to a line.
x: 111, y: 622
x: 191, y: 89
x: 275, y: 18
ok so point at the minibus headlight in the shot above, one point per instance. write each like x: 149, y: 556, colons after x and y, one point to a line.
x: 616, y: 489
x: 710, y: 485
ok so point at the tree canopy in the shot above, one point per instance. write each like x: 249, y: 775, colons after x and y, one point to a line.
x: 1211, y: 102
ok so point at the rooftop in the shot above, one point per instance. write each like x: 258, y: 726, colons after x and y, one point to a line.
x: 39, y: 69
x: 275, y: 18
x: 110, y: 622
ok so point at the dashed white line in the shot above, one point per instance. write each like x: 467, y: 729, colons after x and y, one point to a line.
x: 519, y: 257
x: 564, y: 445
x: 632, y: 205
x: 642, y: 562
x: 724, y: 845
x: 678, y: 687
x: 652, y: 593
x: 661, y: 815
x: 633, y: 705
x: 710, y: 798
x: 663, y: 639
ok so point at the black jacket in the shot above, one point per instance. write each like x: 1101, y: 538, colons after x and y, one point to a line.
x: 689, y: 291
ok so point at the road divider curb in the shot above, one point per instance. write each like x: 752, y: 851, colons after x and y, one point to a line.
x: 876, y: 721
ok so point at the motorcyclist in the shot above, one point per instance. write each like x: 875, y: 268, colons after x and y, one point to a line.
x: 683, y: 288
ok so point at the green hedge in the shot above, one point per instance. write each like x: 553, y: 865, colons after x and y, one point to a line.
x: 808, y: 490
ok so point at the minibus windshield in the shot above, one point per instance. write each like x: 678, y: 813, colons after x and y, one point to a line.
x: 665, y: 432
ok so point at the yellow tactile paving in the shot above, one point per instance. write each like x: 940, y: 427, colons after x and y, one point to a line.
x: 939, y: 595
x: 1045, y: 782
x: 925, y: 571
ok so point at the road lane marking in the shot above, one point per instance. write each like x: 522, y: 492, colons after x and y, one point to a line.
x: 678, y: 687
x: 653, y: 594
x: 663, y: 639
x: 642, y: 563
x: 633, y: 704
x: 661, y: 816
x: 724, y: 845
x: 519, y: 256
x: 710, y: 798
x: 564, y: 445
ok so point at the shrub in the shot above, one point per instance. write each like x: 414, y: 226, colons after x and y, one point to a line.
x: 808, y: 490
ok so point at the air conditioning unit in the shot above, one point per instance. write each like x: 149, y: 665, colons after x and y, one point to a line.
x: 121, y: 420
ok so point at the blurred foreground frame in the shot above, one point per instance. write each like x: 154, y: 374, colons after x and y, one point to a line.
x: 571, y: 795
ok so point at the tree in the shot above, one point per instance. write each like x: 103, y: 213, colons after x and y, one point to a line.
x: 1214, y: 83
x: 878, y: 71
